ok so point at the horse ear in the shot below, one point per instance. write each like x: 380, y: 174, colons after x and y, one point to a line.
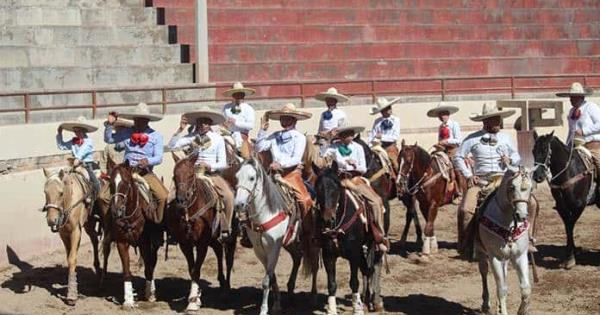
x: 61, y: 174
x: 415, y: 143
x: 46, y: 172
x: 535, y: 135
x: 175, y: 157
x: 402, y: 143
x: 552, y: 133
x: 193, y: 157
x: 126, y: 164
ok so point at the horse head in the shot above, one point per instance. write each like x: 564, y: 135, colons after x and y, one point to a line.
x: 412, y: 160
x: 517, y: 184
x: 248, y: 178
x: 542, y: 153
x: 184, y: 178
x: 57, y: 192
x: 328, y: 187
x: 121, y: 185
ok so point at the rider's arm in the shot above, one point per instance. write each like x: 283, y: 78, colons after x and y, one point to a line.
x: 110, y: 137
x: 157, y: 154
x: 86, y: 149
x: 178, y: 141
x: 396, y: 129
x: 461, y: 155
x: 515, y: 158
x: 456, y: 135
x: 374, y: 130
x: 247, y: 121
x: 263, y: 142
x: 61, y: 144
x: 593, y: 128
x: 361, y: 163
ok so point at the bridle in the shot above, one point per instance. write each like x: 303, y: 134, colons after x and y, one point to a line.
x: 251, y: 196
x: 64, y: 213
x: 190, y: 194
x: 404, y: 178
x: 547, y: 159
x: 121, y: 211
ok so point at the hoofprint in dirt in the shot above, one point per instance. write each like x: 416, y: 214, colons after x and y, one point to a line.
x: 441, y: 284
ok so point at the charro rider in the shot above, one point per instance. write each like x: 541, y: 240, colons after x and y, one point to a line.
x: 350, y: 158
x: 333, y: 118
x: 491, y: 151
x: 82, y: 148
x: 239, y: 117
x: 109, y: 149
x: 386, y: 129
x: 143, y: 150
x: 211, y: 156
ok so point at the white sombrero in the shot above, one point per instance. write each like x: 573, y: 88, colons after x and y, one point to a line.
x: 490, y: 110
x: 141, y: 111
x: 125, y: 123
x: 81, y: 122
x: 332, y: 93
x: 288, y: 109
x: 442, y: 107
x: 576, y: 90
x: 381, y: 104
x: 354, y: 129
x: 205, y: 112
x: 239, y: 87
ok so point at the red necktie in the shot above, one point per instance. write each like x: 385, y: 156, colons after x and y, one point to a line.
x: 77, y: 141
x: 444, y: 132
x: 139, y: 139
x: 576, y: 114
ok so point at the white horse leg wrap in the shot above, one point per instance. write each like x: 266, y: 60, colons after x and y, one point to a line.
x: 194, y: 302
x: 426, y: 250
x: 331, y: 305
x: 357, y: 304
x: 150, y: 291
x: 128, y: 294
x: 434, y: 245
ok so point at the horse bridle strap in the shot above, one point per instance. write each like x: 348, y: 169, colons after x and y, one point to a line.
x: 571, y: 181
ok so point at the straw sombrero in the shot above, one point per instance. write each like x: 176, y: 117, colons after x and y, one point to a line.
x: 442, y: 107
x: 141, y: 111
x: 288, y: 109
x: 81, y: 122
x: 381, y: 104
x: 354, y: 129
x: 490, y: 110
x: 576, y: 90
x: 125, y: 123
x: 332, y: 93
x: 205, y: 112
x: 239, y: 87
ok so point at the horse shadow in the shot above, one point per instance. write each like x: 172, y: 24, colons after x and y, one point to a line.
x: 417, y: 304
x: 551, y: 256
x: 403, y: 250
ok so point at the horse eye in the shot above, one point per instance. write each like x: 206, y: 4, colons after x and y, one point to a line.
x: 251, y: 178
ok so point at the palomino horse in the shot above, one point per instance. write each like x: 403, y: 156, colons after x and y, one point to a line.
x: 570, y: 183
x: 130, y: 226
x: 269, y: 229
x: 66, y: 212
x: 420, y: 179
x: 191, y: 219
x: 503, y: 237
x: 343, y: 233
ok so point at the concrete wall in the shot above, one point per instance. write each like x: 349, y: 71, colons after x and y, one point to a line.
x: 23, y: 228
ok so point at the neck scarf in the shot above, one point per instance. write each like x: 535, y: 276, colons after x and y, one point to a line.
x: 77, y: 141
x: 344, y: 150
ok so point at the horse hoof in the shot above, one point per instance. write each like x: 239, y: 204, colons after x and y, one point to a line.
x: 71, y: 302
x: 378, y: 307
x: 128, y: 306
x: 569, y: 263
x: 192, y: 308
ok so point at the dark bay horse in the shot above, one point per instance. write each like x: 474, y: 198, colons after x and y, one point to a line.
x: 569, y: 180
x: 420, y: 180
x: 343, y: 234
x: 191, y: 219
x: 131, y: 227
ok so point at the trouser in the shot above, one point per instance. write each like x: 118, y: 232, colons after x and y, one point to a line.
x: 245, y: 147
x: 392, y: 151
x: 294, y: 180
x: 361, y: 187
x: 89, y: 167
x: 226, y: 194
x: 466, y: 211
x: 594, y: 147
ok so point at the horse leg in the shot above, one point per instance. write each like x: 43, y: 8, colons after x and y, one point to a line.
x: 357, y: 304
x: 91, y: 232
x: 483, y: 271
x: 106, y: 242
x: 430, y: 239
x: 521, y: 264
x: 194, y: 296
x: 75, y: 239
x: 386, y: 216
x: 418, y: 230
x: 408, y: 220
x: 230, y: 255
x: 123, y: 248
x: 218, y: 249
x: 499, y: 271
x: 296, y: 255
x: 276, y: 294
x: 569, y: 223
x: 329, y: 260
x: 149, y: 255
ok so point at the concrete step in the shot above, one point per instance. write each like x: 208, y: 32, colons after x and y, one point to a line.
x: 72, y: 36
x: 27, y: 56
x: 221, y: 53
x: 403, y: 16
x: 416, y: 67
x: 33, y: 78
x: 173, y: 3
x: 367, y: 33
x: 75, y: 16
x: 72, y: 3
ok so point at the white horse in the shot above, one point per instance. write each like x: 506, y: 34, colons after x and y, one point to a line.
x: 503, y: 237
x: 260, y: 199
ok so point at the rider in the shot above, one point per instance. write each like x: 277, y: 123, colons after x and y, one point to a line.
x: 386, y: 129
x: 212, y: 157
x: 287, y: 148
x: 239, y: 117
x: 351, y: 161
x: 82, y: 148
x: 143, y: 149
x: 333, y: 117
x: 491, y: 151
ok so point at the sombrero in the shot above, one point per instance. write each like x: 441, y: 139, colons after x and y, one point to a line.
x: 490, y: 110
x: 381, y: 104
x: 141, y: 111
x: 81, y: 122
x: 332, y: 93
x: 205, y: 112
x: 125, y: 123
x: 442, y: 107
x: 576, y: 90
x: 354, y: 129
x: 239, y: 87
x: 288, y: 109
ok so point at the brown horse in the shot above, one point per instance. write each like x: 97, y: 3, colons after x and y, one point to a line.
x: 420, y: 179
x: 131, y: 227
x: 66, y: 212
x: 191, y: 219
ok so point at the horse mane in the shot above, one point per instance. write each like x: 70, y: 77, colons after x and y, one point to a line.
x: 422, y: 155
x: 365, y: 146
x: 272, y: 192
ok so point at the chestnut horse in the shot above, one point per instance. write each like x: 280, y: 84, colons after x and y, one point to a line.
x: 191, y: 219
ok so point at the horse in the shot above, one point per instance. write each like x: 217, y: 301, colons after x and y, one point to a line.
x: 269, y: 229
x: 131, y: 226
x: 570, y: 183
x: 67, y: 211
x: 420, y: 179
x: 343, y: 234
x: 503, y: 236
x: 191, y: 219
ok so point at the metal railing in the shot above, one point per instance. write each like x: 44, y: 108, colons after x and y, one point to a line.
x: 440, y: 86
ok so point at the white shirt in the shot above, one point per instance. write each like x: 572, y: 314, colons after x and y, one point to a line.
x: 455, y: 135
x: 338, y: 119
x: 357, y: 154
x: 487, y: 157
x: 387, y: 135
x: 214, y: 154
x: 588, y: 122
x: 244, y: 121
x: 287, y: 146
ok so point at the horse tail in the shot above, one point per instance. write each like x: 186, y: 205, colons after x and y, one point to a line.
x: 310, y: 251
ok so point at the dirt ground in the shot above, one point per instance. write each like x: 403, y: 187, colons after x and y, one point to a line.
x: 443, y: 285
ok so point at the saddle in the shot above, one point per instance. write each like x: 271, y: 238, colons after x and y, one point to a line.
x: 586, y: 156
x: 212, y: 198
x: 386, y: 162
x: 365, y: 213
x: 146, y: 194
